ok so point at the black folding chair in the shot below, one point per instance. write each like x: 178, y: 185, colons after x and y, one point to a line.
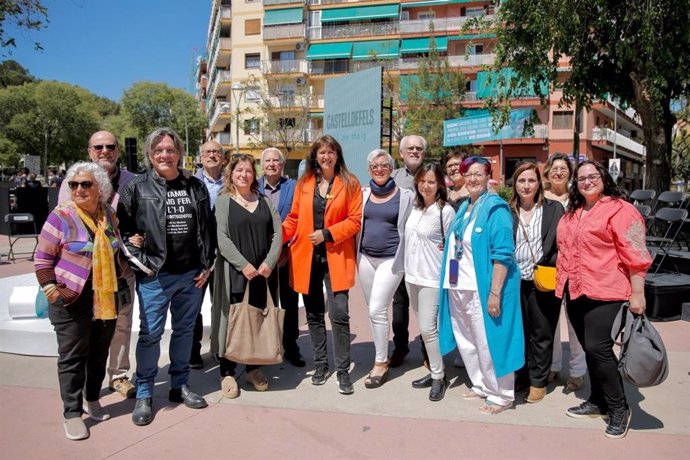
x: 642, y: 196
x: 21, y: 226
x: 672, y: 219
x: 644, y: 209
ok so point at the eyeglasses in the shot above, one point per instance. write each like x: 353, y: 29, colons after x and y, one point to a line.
x: 85, y: 185
x: 379, y: 166
x: 559, y: 169
x: 414, y: 147
x: 108, y: 147
x: 450, y: 166
x: 211, y: 152
x: 473, y: 175
x: 592, y: 178
x: 158, y: 152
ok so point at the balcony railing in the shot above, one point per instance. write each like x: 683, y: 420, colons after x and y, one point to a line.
x: 541, y: 131
x: 417, y: 26
x: 282, y: 2
x: 387, y: 64
x: 327, y: 67
x: 606, y: 134
x: 284, y: 31
x: 471, y: 60
x: 359, y: 30
x: 325, y: 2
x: 225, y: 12
x: 222, y: 109
x: 219, y: 77
x: 311, y: 135
x: 223, y: 138
x: 284, y: 66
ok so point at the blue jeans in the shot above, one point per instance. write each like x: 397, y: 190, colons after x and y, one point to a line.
x: 155, y: 294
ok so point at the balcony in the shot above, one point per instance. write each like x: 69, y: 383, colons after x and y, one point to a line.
x: 225, y: 12
x: 312, y: 135
x: 220, y: 77
x: 358, y: 30
x: 218, y: 58
x: 471, y: 60
x: 387, y: 64
x: 284, y: 31
x: 222, y: 115
x: 424, y: 26
x: 329, y: 67
x: 222, y: 138
x: 284, y: 66
x: 325, y: 2
x: 608, y: 136
x: 282, y: 2
x: 540, y: 131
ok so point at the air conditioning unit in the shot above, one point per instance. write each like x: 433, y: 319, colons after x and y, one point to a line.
x: 300, y: 46
x: 301, y: 81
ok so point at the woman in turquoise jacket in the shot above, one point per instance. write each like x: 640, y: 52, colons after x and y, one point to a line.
x: 479, y: 309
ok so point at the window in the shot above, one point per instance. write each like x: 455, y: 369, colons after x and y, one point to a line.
x: 474, y: 11
x: 283, y: 56
x: 251, y: 94
x: 314, y: 18
x: 563, y: 120
x: 287, y: 122
x: 252, y: 26
x: 426, y: 15
x: 475, y: 49
x: 252, y: 61
x: 251, y: 126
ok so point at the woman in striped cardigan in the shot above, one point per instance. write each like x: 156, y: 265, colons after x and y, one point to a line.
x: 77, y: 267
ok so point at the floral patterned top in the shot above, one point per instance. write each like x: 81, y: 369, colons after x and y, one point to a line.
x: 597, y: 253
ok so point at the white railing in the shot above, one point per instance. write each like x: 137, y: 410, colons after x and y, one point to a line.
x: 315, y: 33
x: 284, y: 66
x: 439, y: 24
x: 223, y: 138
x: 606, y: 134
x: 226, y: 12
x: 311, y: 135
x: 387, y: 64
x: 281, y: 2
x: 284, y: 31
x: 470, y: 96
x: 220, y: 76
x: 471, y: 60
x: 359, y: 30
x: 221, y: 109
x: 541, y: 131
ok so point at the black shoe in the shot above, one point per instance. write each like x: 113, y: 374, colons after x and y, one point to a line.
x: 295, y: 358
x: 424, y: 382
x: 320, y: 374
x: 143, y: 412
x: 521, y: 387
x: 619, y: 421
x: 187, y: 396
x: 585, y: 410
x: 438, y: 389
x: 344, y: 385
x: 196, y: 361
x: 398, y: 357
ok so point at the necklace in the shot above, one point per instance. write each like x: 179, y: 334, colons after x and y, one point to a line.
x: 240, y: 199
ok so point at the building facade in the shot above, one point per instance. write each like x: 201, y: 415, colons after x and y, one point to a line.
x: 267, y: 60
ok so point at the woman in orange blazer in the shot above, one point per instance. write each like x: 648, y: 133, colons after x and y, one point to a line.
x: 321, y: 228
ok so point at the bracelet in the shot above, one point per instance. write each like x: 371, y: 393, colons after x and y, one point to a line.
x: 49, y: 289
x: 497, y: 294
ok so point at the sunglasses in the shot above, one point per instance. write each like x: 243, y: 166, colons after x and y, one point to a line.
x: 85, y: 185
x: 108, y: 147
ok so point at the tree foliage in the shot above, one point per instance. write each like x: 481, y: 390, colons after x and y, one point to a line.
x: 428, y: 98
x: 636, y: 51
x: 680, y: 161
x: 13, y: 74
x: 147, y: 106
x: 27, y: 15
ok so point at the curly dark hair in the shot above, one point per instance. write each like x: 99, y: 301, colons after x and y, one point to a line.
x: 312, y: 167
x: 441, y: 192
x: 575, y: 198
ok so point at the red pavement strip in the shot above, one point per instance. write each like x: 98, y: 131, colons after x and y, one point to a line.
x: 31, y: 428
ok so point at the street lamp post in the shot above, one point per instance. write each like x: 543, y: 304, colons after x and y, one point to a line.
x: 237, y: 91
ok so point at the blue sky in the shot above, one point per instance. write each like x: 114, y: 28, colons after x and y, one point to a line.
x: 106, y: 46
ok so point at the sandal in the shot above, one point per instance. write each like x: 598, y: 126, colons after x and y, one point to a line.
x: 375, y: 381
x: 229, y: 388
x: 492, y: 408
x: 257, y: 379
x: 472, y: 395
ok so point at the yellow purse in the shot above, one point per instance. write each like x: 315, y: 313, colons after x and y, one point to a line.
x: 544, y: 276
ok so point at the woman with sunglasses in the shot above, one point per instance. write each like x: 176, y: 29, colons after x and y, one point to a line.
x: 77, y: 265
x: 535, y: 220
x: 480, y: 299
x: 602, y: 262
x: 321, y: 227
x: 425, y: 234
x: 381, y: 244
x: 558, y: 173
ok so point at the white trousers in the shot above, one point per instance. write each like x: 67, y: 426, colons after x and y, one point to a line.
x: 424, y: 302
x: 577, y: 363
x: 468, y: 327
x: 379, y: 284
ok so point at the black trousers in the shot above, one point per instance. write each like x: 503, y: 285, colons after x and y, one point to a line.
x: 592, y: 321
x: 199, y: 325
x: 83, y: 345
x: 257, y: 297
x: 540, y: 311
x: 288, y: 300
x: 401, y: 317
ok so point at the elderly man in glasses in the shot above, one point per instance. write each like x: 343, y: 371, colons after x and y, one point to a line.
x: 168, y: 216
x: 104, y: 150
x: 412, y: 150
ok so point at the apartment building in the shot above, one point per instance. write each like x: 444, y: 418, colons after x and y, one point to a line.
x: 294, y: 46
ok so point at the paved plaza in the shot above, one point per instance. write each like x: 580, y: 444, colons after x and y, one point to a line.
x: 295, y: 419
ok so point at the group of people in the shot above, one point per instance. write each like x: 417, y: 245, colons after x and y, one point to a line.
x: 460, y: 256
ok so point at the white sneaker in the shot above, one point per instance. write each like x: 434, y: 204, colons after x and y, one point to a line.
x: 96, y: 412
x: 75, y: 429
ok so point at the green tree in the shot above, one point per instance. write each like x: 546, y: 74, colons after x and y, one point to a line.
x: 633, y: 50
x: 680, y: 162
x: 148, y: 106
x: 430, y: 97
x: 13, y: 74
x: 47, y: 118
x: 28, y: 15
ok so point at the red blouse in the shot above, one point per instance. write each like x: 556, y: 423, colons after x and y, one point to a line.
x: 597, y: 253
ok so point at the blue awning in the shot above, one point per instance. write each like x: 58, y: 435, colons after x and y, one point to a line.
x: 379, y: 49
x: 423, y: 45
x: 363, y: 13
x: 284, y: 16
x: 341, y: 50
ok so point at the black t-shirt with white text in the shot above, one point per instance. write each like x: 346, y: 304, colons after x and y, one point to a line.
x: 182, y: 253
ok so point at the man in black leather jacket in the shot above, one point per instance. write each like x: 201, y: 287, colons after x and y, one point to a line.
x: 167, y: 225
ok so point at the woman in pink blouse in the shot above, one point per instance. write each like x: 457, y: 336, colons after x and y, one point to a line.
x: 602, y: 262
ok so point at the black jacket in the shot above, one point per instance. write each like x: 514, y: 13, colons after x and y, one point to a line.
x: 552, y: 211
x: 141, y: 210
